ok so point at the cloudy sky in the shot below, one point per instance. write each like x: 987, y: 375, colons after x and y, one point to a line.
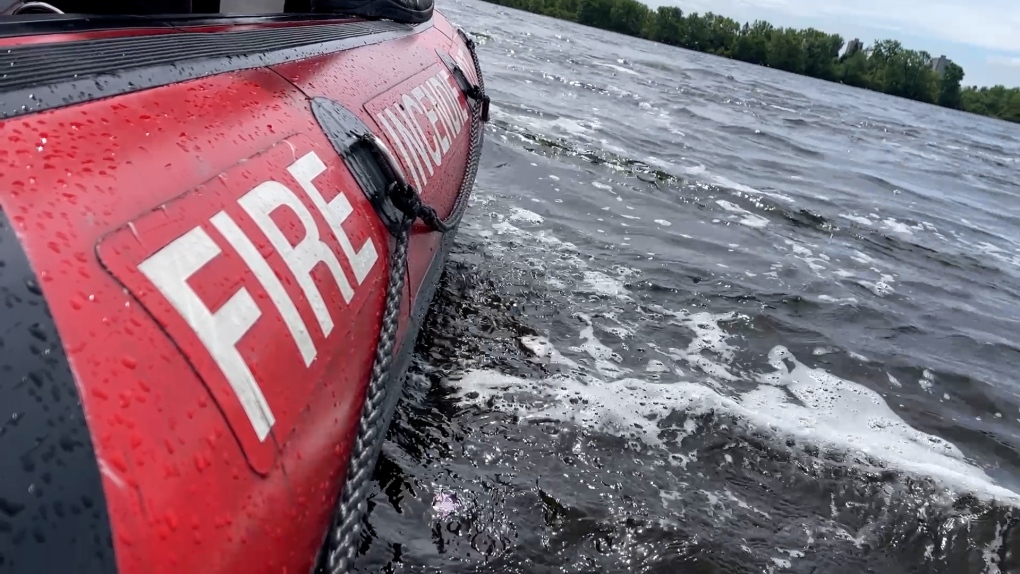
x: 983, y: 36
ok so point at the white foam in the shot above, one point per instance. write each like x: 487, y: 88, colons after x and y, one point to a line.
x: 617, y: 68
x: 844, y: 414
x: 830, y: 412
x: 756, y: 221
x: 815, y: 263
x: 558, y: 126
x: 991, y: 552
x: 506, y: 228
x: 543, y: 348
x: 880, y: 288
x: 656, y: 366
x: 749, y: 219
x: 843, y: 301
x: 856, y: 219
x: 783, y: 563
x: 801, y: 250
x: 726, y: 182
x: 708, y: 336
x: 663, y: 222
x: 863, y: 258
x: 731, y: 207
x: 606, y: 360
x: 858, y: 357
x: 519, y: 214
x: 605, y: 285
x: 897, y: 226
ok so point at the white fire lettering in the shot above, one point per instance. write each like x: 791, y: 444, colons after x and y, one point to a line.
x: 265, y: 275
x: 405, y: 142
x: 303, y: 257
x: 432, y: 113
x: 450, y: 113
x: 305, y: 170
x: 434, y: 102
x: 408, y: 109
x: 220, y: 332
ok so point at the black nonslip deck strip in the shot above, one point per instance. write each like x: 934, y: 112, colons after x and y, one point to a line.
x: 45, y: 24
x: 38, y: 77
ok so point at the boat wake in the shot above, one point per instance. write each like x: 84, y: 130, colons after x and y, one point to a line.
x: 560, y: 428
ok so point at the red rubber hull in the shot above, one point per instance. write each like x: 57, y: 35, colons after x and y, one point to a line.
x: 217, y: 278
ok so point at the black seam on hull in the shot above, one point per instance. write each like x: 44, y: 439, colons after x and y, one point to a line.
x: 53, y: 514
x: 43, y: 24
x: 422, y: 302
x: 40, y: 77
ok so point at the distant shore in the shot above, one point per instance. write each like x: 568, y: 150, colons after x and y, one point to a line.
x: 885, y: 66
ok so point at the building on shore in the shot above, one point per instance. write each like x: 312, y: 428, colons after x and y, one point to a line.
x: 852, y: 47
x: 939, y: 64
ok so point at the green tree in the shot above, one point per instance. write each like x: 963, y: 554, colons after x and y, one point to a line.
x: 949, y: 87
x: 628, y: 17
x: 667, y: 25
x: 722, y: 33
x: 1011, y: 109
x: 786, y: 50
x: 597, y: 13
x: 696, y: 34
x: 821, y: 51
x: 855, y: 70
x: 752, y: 45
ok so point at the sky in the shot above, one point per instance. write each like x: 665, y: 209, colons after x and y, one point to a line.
x: 982, y: 36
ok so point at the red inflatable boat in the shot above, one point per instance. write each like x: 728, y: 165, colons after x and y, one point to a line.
x: 218, y: 236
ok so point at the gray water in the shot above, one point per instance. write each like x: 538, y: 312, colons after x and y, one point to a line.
x: 709, y: 317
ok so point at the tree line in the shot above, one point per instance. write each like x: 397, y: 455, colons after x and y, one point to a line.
x: 886, y: 66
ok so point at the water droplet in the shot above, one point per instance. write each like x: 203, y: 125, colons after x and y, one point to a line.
x: 10, y: 508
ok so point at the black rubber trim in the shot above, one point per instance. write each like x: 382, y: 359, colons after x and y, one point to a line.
x: 45, y: 76
x: 45, y: 24
x: 458, y: 74
x: 346, y: 132
x: 470, y: 90
x: 53, y: 515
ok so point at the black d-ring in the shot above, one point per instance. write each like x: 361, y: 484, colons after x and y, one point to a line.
x: 471, y: 91
x: 367, y: 157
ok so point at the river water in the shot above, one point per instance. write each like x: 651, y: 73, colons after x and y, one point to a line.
x: 708, y: 317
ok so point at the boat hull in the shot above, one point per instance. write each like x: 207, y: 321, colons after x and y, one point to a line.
x: 196, y: 277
